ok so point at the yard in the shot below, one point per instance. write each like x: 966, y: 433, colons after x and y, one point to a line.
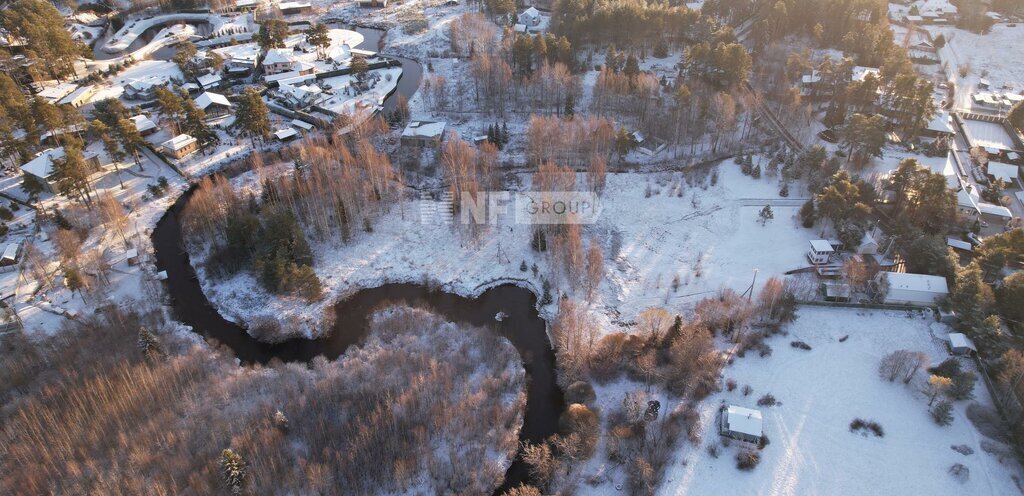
x: 820, y: 391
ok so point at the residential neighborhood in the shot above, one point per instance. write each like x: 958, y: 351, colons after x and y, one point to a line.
x: 512, y: 248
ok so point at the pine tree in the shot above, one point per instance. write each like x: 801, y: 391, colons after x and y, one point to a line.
x: 546, y: 297
x: 570, y: 106
x: 504, y: 133
x: 233, y: 470
x: 252, y: 119
x: 149, y: 345
x: 942, y: 412
x: 766, y: 214
x: 522, y: 267
x: 808, y: 215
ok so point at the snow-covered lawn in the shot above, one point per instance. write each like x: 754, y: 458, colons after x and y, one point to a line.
x: 812, y: 450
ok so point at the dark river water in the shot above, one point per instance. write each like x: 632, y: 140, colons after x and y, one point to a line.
x: 522, y: 326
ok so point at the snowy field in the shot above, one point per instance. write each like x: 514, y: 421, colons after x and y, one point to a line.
x: 995, y: 56
x: 812, y: 450
x: 711, y: 239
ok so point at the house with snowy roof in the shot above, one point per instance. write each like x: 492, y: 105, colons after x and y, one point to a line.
x: 300, y: 96
x: 143, y: 124
x: 289, y: 8
x: 900, y: 288
x: 213, y: 103
x: 180, y: 146
x: 278, y: 60
x: 530, y: 17
x: 43, y: 166
x: 742, y: 424
x: 210, y: 81
x: 420, y: 134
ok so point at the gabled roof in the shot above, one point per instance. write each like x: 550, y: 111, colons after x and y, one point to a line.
x: 532, y: 12
x: 207, y: 80
x: 206, y: 99
x: 142, y: 123
x: 279, y: 56
x: 42, y: 164
x: 178, y: 142
x: 301, y: 124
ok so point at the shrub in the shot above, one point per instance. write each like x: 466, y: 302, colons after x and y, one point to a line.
x: 864, y: 426
x: 766, y: 400
x: 963, y: 386
x: 580, y: 392
x: 942, y: 413
x: 730, y: 384
x: 800, y: 344
x: 714, y: 450
x: 582, y: 429
x: 960, y: 472
x: 763, y: 441
x: 949, y: 367
x: 6, y: 214
x: 747, y: 459
x: 747, y: 390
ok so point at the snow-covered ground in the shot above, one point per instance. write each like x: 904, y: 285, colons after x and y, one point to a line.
x: 710, y: 239
x: 812, y: 450
x: 128, y: 33
x: 994, y: 56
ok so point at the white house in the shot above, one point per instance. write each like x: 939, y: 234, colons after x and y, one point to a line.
x: 299, y: 96
x: 743, y: 424
x: 278, y: 60
x: 911, y: 289
x: 868, y: 245
x: 530, y: 17
x: 821, y: 252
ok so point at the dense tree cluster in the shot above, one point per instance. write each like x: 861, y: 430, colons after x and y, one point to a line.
x: 40, y: 26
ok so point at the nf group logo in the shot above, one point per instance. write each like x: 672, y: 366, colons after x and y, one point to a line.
x: 503, y: 207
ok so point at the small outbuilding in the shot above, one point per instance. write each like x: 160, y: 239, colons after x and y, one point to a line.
x: 180, y: 146
x: 960, y: 344
x: 868, y: 245
x: 821, y: 252
x: 10, y: 256
x: 742, y: 424
x: 132, y: 256
x: 900, y: 288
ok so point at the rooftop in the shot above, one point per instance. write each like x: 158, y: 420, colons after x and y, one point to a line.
x: 178, y: 142
x: 143, y: 123
x: 206, y: 99
x: 744, y: 420
x: 42, y: 164
x: 424, y: 129
x: 916, y: 282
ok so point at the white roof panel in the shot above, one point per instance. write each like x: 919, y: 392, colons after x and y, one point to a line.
x: 744, y: 420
